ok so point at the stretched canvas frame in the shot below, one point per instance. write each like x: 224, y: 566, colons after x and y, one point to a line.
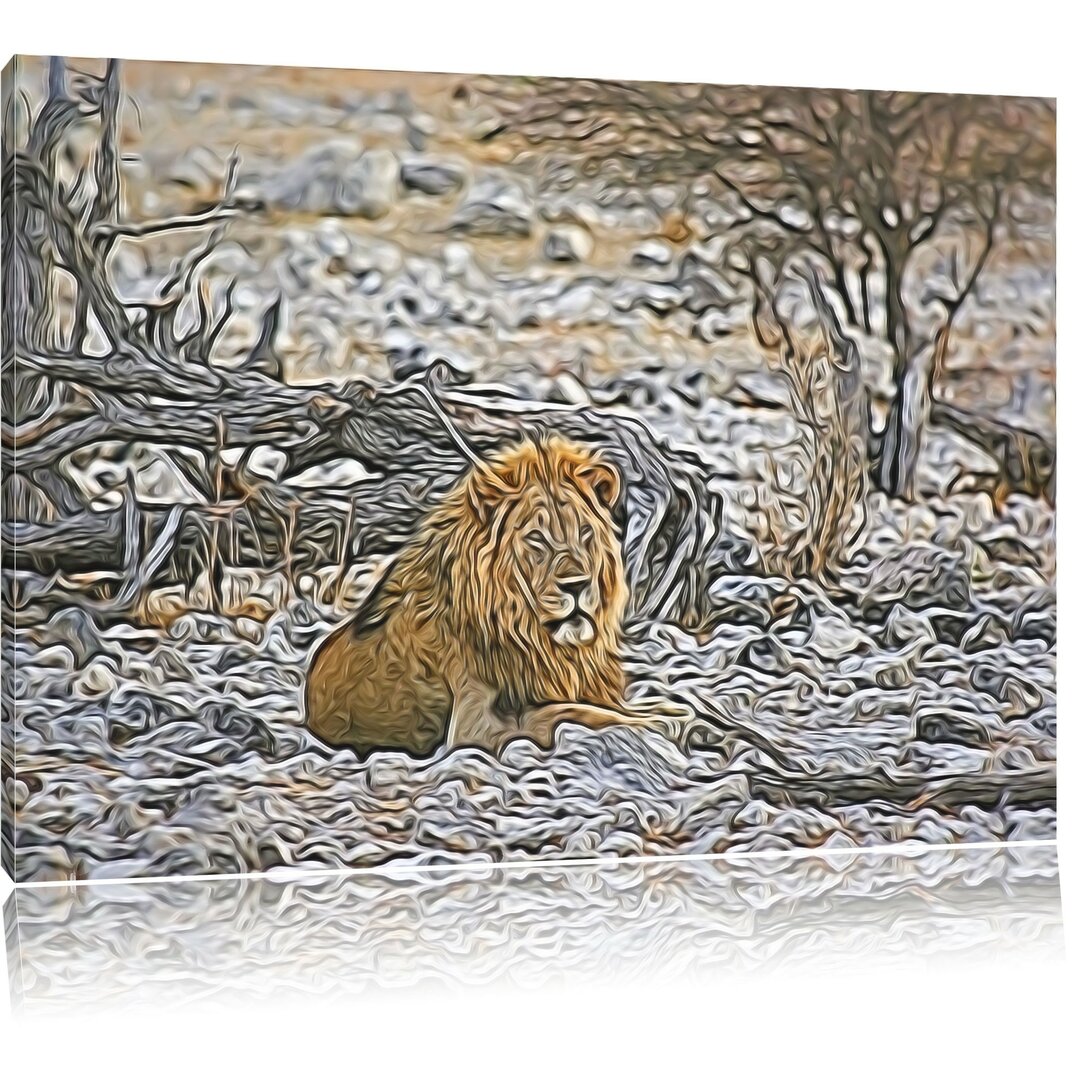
x: 407, y: 468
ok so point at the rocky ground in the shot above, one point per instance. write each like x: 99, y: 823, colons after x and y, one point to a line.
x: 408, y: 219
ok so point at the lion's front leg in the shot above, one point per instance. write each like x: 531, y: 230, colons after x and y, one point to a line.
x: 539, y: 724
x: 474, y: 720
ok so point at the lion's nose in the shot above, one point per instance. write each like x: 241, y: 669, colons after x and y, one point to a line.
x: 574, y: 587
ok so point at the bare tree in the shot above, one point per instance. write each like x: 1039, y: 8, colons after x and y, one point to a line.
x: 862, y: 185
x: 872, y: 188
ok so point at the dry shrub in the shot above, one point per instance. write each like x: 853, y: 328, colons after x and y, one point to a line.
x: 811, y: 507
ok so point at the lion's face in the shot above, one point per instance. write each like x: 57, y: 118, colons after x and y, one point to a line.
x: 548, y: 539
x: 563, y: 562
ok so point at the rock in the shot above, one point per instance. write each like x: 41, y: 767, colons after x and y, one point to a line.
x: 989, y: 632
x: 249, y: 629
x: 1016, y: 759
x: 1044, y: 720
x: 377, y: 175
x: 712, y: 326
x: 950, y: 726
x: 904, y: 627
x: 664, y: 197
x: 1019, y: 695
x: 833, y: 639
x: 495, y: 208
x: 429, y: 178
x: 338, y: 472
x: 888, y: 675
x: 579, y: 301
x: 652, y: 253
x: 568, y: 388
x: 754, y: 814
x: 568, y: 243
x: 97, y: 679
x: 245, y: 731
x: 758, y: 390
x: 743, y: 600
x: 766, y: 653
x: 1036, y: 618
x: 949, y: 627
x: 459, y: 259
x: 197, y: 626
x: 704, y: 290
x: 137, y: 717
x: 76, y: 631
x: 332, y: 239
x: 172, y: 666
x: 838, y: 841
x: 338, y: 177
x: 919, y: 575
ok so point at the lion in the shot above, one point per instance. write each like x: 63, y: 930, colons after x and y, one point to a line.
x: 502, y: 617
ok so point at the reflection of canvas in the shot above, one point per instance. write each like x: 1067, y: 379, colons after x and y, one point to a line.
x: 413, y: 468
x: 171, y: 944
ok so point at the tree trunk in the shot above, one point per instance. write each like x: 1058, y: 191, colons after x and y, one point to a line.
x: 894, y: 469
x: 901, y: 440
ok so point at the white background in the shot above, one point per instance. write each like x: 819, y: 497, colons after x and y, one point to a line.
x: 997, y: 1018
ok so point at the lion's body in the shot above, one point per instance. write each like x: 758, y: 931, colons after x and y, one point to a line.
x: 502, y: 614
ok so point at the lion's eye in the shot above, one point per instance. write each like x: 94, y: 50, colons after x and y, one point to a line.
x: 538, y: 545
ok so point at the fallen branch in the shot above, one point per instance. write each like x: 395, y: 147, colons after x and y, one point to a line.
x: 1035, y: 787
x: 1027, y: 461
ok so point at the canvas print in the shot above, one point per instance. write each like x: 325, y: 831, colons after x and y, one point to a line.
x: 404, y: 468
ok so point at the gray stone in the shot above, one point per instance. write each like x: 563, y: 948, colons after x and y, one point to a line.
x: 568, y: 243
x: 429, y: 178
x: 652, y: 253
x: 337, y: 177
x: 495, y: 208
x: 377, y: 175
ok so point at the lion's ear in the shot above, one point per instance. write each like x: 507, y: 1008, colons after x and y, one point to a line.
x: 486, y: 488
x: 604, y: 480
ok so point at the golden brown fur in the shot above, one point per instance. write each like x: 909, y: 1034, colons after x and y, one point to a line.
x: 502, y: 617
